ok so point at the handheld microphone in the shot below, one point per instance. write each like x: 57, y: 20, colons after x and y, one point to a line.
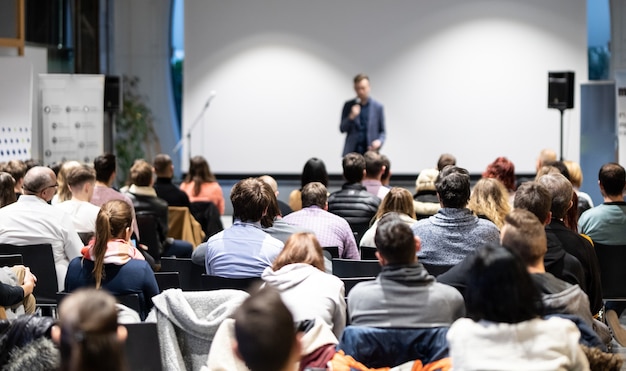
x: 357, y: 100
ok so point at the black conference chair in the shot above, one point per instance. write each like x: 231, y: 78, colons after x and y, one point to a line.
x: 142, y: 347
x: 350, y: 282
x: 129, y: 300
x: 436, y: 270
x: 207, y: 214
x: 210, y: 283
x: 611, y: 259
x: 189, y: 273
x: 368, y: 253
x: 167, y: 280
x: 355, y: 268
x: 332, y: 250
x: 148, y: 231
x: 9, y: 260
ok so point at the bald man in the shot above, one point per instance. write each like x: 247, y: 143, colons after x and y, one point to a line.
x: 31, y: 220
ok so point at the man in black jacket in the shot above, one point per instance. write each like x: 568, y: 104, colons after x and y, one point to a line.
x: 164, y: 187
x: 353, y: 202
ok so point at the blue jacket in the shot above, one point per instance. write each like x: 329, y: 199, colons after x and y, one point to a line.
x: 375, y: 127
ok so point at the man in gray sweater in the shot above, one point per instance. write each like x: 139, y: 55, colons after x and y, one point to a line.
x: 403, y: 294
x: 451, y: 234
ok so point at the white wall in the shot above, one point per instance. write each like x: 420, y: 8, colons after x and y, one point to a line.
x: 467, y: 77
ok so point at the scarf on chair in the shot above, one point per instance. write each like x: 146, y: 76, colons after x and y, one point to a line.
x: 118, y: 252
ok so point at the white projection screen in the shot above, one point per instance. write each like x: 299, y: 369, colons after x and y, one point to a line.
x: 466, y: 77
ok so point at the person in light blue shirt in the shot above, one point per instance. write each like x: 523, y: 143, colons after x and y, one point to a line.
x: 244, y: 249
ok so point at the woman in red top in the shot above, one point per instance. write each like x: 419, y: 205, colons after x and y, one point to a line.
x: 201, y: 185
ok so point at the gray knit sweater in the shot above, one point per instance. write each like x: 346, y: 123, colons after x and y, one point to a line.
x: 448, y: 236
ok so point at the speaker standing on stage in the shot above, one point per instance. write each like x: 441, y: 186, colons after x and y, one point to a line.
x: 362, y: 119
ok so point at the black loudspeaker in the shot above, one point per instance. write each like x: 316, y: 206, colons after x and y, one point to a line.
x: 113, y: 93
x: 561, y: 90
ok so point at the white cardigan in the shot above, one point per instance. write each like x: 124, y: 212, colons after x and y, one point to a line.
x: 537, y: 344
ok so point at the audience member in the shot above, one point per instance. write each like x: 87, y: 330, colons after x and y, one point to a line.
x: 574, y: 244
x: 7, y: 189
x: 284, y: 208
x: 165, y: 189
x: 200, y: 184
x: 444, y: 160
x: 545, y: 156
x: 353, y: 202
x: 111, y: 262
x: 31, y: 220
x: 398, y: 200
x: 448, y: 236
x: 88, y: 333
x: 81, y: 181
x: 243, y: 250
x: 265, y: 334
x: 298, y: 273
x: 489, y: 200
x: 403, y: 294
x: 510, y: 335
x: 576, y: 178
x: 374, y: 169
x: 27, y: 344
x: 63, y: 191
x: 272, y: 222
x: 606, y: 224
x: 16, y: 288
x: 314, y: 171
x: 425, y: 200
x: 17, y: 169
x: 504, y: 170
x: 525, y: 234
x: 330, y: 229
x: 105, y: 166
x: 145, y: 200
x: 386, y: 177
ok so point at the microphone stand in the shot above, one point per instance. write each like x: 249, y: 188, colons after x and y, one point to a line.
x: 190, y: 130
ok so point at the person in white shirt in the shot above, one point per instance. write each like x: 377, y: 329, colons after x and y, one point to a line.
x: 31, y: 220
x: 81, y: 181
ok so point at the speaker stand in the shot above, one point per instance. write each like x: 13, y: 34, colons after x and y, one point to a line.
x: 561, y: 150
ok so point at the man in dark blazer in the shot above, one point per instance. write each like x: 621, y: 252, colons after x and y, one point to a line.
x: 363, y: 120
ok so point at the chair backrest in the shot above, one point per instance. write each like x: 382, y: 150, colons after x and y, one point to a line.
x: 332, y: 250
x: 350, y: 282
x: 147, y: 224
x: 189, y: 273
x: 85, y: 237
x: 129, y: 300
x: 9, y: 260
x: 40, y: 260
x: 612, y: 272
x: 359, y: 230
x: 208, y: 215
x: 368, y: 253
x: 142, y: 348
x: 355, y: 268
x: 210, y: 283
x: 167, y: 280
x: 436, y: 270
x: 390, y: 347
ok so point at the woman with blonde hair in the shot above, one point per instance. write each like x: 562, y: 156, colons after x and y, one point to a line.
x: 490, y: 200
x: 201, y: 185
x: 298, y: 273
x: 398, y: 200
x: 63, y: 191
x: 111, y: 262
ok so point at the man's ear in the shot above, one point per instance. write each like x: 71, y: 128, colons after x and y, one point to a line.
x: 235, y: 348
x: 122, y: 333
x: 418, y: 244
x: 55, y: 333
x: 549, y: 219
x: 380, y: 258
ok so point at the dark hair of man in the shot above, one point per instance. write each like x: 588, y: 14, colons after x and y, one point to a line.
x: 264, y: 331
x: 561, y: 192
x: 394, y: 240
x: 314, y: 171
x: 453, y: 186
x: 387, y: 164
x: 104, y: 166
x: 80, y: 175
x: 314, y: 194
x: 273, y: 209
x: 248, y: 199
x: 445, y: 160
x: 524, y: 233
x: 499, y: 275
x: 373, y: 163
x: 16, y: 168
x: 353, y: 165
x: 535, y: 198
x: 141, y: 173
x: 358, y: 78
x: 612, y: 178
x: 559, y: 165
x: 162, y: 164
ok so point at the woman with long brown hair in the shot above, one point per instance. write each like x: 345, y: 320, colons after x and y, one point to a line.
x: 398, y: 200
x: 200, y: 184
x: 298, y: 273
x: 111, y: 262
